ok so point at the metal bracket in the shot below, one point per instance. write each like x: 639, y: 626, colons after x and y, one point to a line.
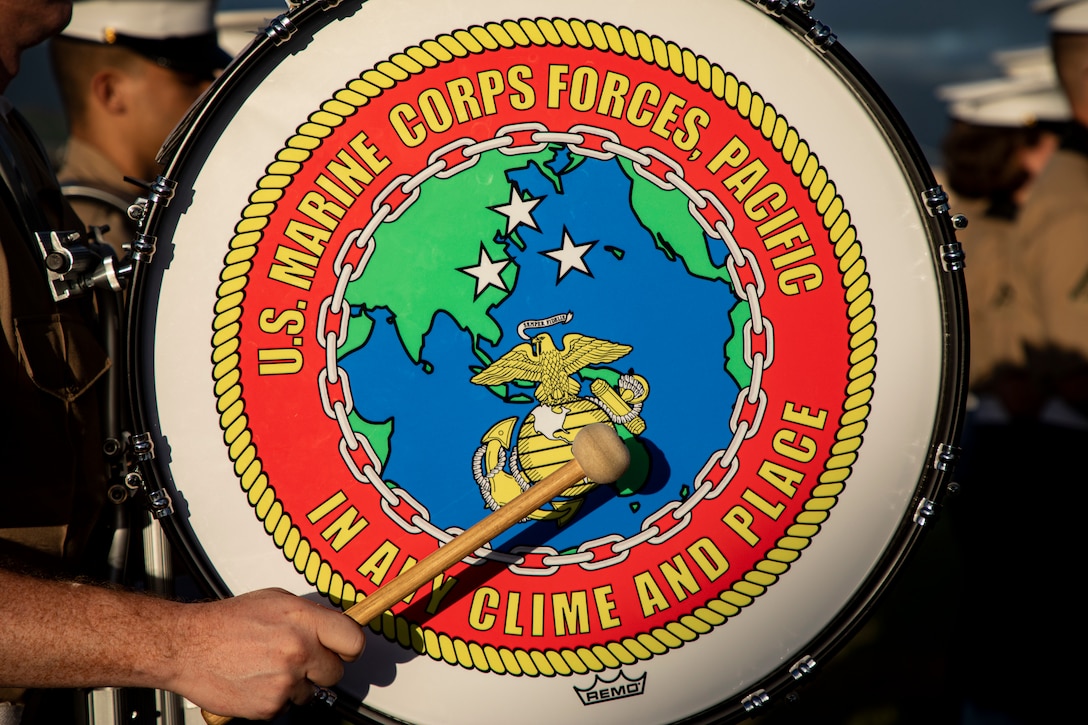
x: 946, y: 457
x: 953, y: 258
x: 143, y: 447
x: 280, y: 30
x: 774, y: 7
x: 137, y: 211
x: 158, y: 500
x: 926, y: 510
x: 820, y: 36
x: 804, y: 666
x: 325, y: 696
x: 756, y: 700
x: 935, y: 200
x: 73, y: 265
x: 161, y: 193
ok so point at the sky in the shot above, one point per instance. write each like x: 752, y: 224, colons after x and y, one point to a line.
x: 909, y: 48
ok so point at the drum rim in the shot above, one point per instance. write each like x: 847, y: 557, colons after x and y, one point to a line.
x: 934, y: 481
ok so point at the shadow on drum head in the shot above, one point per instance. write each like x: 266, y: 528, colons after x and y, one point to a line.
x: 657, y: 472
x: 378, y: 664
x: 377, y: 667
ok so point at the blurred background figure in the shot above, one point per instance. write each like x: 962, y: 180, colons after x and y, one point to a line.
x: 237, y: 27
x: 127, y: 71
x: 1028, y: 292
x: 1002, y: 132
x: 1052, y: 237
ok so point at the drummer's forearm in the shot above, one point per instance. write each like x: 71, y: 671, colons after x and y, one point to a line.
x: 243, y: 656
x: 68, y: 634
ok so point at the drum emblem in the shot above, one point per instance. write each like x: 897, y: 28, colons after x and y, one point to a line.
x: 544, y: 439
x: 373, y: 391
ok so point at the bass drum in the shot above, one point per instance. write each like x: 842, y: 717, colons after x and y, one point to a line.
x: 402, y: 251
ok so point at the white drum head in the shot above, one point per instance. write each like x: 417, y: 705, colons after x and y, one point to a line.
x: 415, y: 246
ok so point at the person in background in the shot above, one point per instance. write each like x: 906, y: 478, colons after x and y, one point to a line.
x: 247, y: 656
x: 237, y: 28
x: 127, y: 72
x: 1052, y: 237
x: 1002, y: 132
x: 1017, y: 517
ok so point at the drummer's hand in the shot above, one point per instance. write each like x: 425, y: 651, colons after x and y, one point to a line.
x: 250, y: 655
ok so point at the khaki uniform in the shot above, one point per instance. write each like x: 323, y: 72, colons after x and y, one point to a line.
x: 98, y: 192
x: 53, y: 480
x: 992, y: 294
x: 1006, y: 462
x: 1051, y: 239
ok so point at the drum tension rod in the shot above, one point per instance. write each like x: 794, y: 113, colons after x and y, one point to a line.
x: 804, y: 666
x: 777, y: 7
x: 158, y: 499
x: 946, y: 457
x: 944, y: 460
x: 925, y: 511
x: 160, y: 193
x: 935, y: 199
x: 774, y: 7
x: 280, y: 30
x: 820, y: 37
x: 756, y: 700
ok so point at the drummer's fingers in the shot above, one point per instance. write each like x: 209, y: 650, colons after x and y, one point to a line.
x: 325, y: 671
x: 340, y: 634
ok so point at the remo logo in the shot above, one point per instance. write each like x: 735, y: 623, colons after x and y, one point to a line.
x: 497, y: 237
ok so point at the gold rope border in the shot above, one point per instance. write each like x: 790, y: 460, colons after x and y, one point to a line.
x: 543, y: 32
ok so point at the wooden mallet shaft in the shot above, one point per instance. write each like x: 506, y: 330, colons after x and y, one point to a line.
x: 599, y: 455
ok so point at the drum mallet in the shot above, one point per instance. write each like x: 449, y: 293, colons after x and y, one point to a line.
x: 599, y: 455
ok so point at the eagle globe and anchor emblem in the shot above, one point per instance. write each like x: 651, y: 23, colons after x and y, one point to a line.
x: 505, y: 465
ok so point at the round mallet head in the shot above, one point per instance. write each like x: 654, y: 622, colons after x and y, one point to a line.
x: 600, y: 453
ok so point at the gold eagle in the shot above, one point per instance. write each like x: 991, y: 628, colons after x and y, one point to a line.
x: 541, y: 362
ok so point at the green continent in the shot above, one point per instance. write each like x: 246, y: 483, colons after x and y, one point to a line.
x: 680, y: 237
x: 415, y: 269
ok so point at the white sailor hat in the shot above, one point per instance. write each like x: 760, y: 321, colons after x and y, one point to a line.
x: 1008, y: 102
x: 176, y: 34
x: 1033, y: 62
x: 238, y: 27
x: 1066, y: 16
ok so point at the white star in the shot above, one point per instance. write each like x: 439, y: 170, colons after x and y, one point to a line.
x: 487, y: 272
x: 570, y: 256
x: 518, y: 211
